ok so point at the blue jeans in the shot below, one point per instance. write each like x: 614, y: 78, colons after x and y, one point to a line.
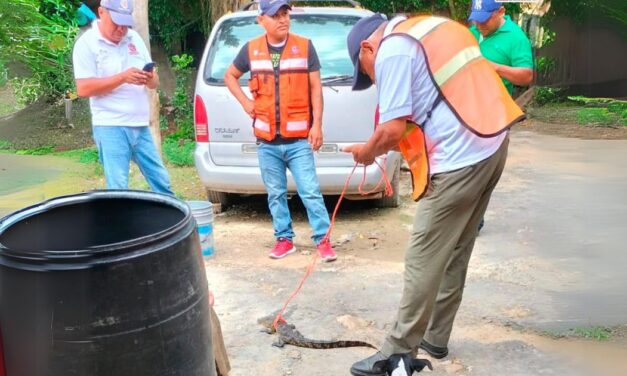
x: 298, y: 157
x: 117, y: 146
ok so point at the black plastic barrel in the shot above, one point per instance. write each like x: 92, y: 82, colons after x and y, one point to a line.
x: 104, y: 283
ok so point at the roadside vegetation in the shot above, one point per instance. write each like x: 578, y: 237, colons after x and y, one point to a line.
x: 554, y: 106
x: 594, y: 333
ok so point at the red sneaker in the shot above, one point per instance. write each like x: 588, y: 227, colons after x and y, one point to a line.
x: 327, y: 254
x: 282, y: 248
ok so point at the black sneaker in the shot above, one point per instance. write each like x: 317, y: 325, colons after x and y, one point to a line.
x: 374, y: 365
x: 434, y: 351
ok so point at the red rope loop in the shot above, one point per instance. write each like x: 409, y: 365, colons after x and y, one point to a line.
x: 388, y: 191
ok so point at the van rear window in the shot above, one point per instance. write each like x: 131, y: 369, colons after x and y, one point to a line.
x: 327, y: 33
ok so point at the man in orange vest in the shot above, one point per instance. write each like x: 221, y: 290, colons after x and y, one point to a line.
x: 443, y: 105
x: 287, y: 119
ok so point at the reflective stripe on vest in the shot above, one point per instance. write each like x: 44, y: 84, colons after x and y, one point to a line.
x: 467, y: 83
x: 289, y: 64
x: 294, y: 91
x: 261, y: 65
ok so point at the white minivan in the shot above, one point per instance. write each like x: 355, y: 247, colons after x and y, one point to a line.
x: 226, y: 149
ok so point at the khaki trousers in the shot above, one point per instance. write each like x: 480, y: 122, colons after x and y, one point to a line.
x: 436, y: 260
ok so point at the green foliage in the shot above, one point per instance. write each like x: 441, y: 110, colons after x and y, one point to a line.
x: 178, y: 147
x: 456, y: 9
x: 179, y: 152
x: 600, y: 116
x: 86, y: 155
x: 26, y: 89
x: 545, y: 66
x: 183, y: 98
x: 4, y: 74
x: 39, y: 34
x: 171, y: 20
x: 42, y: 150
x: 599, y: 333
x: 5, y: 145
x: 544, y: 95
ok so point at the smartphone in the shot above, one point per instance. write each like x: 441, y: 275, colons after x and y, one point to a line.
x: 149, y: 67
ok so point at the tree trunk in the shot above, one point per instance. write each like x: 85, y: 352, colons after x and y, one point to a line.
x: 451, y: 7
x: 220, y: 7
x: 140, y: 16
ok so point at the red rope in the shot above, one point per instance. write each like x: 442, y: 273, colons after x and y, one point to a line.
x: 310, y: 268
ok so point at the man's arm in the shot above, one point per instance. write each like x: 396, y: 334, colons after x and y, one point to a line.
x: 385, y: 138
x: 231, y: 79
x: 90, y: 87
x: 517, y: 76
x: 317, y: 105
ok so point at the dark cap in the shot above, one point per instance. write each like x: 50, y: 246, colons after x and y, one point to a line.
x: 270, y: 7
x: 362, y: 30
x: 483, y: 9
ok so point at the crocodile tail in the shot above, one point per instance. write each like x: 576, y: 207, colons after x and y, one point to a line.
x: 323, y: 345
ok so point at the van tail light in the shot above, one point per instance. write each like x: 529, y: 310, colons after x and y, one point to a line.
x: 201, y: 124
x: 2, y: 368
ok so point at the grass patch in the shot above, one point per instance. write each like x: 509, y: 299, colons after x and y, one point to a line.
x: 179, y: 152
x: 86, y: 155
x: 598, y: 333
x: 597, y: 116
x: 41, y: 150
x: 5, y: 145
x: 594, y: 115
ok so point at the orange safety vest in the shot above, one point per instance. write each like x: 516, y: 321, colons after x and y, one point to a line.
x: 294, y: 98
x: 467, y: 83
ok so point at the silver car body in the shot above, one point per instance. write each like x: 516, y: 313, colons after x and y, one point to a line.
x: 227, y: 162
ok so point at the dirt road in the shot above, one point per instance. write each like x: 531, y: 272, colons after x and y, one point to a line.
x: 549, y: 259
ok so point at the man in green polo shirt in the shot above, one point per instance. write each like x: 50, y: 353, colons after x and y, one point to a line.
x: 502, y: 42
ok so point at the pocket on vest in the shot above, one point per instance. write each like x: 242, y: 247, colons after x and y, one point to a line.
x: 297, y: 119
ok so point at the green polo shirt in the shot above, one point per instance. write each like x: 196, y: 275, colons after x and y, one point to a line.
x: 508, y: 45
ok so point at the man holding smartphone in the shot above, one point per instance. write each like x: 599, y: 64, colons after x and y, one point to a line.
x: 113, y: 68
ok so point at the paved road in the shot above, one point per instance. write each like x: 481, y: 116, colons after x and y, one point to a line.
x: 558, y: 223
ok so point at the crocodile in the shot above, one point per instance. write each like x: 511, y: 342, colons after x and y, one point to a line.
x: 288, y: 335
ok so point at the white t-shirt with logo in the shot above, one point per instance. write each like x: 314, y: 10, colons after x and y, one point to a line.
x: 96, y: 57
x: 406, y: 90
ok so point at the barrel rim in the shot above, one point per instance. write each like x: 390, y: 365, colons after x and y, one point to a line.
x: 98, y: 251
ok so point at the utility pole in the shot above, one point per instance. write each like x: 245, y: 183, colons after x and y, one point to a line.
x: 140, y: 16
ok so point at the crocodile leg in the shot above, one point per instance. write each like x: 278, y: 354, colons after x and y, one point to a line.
x: 279, y: 343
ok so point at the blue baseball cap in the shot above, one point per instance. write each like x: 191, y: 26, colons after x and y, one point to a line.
x: 121, y: 11
x: 481, y: 10
x: 270, y: 7
x: 361, y: 31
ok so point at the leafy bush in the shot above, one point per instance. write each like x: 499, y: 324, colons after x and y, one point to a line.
x: 179, y: 152
x: 40, y: 35
x: 183, y: 98
x: 544, y: 95
x: 5, y: 145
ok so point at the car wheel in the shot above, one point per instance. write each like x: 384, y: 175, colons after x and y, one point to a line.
x: 220, y: 200
x: 394, y: 200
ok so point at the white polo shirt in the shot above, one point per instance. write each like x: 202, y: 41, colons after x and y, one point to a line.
x: 96, y: 57
x: 406, y: 90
